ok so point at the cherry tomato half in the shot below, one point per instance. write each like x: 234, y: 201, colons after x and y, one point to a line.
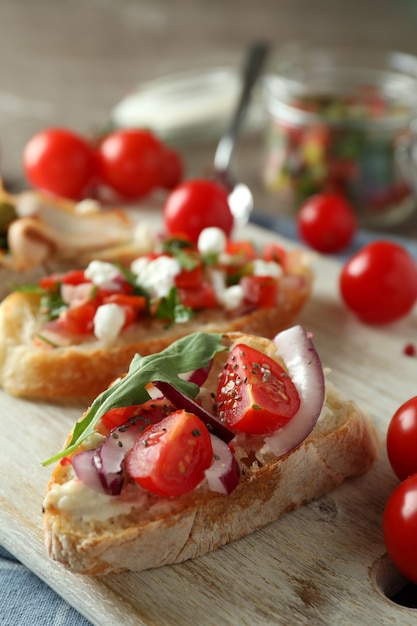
x: 150, y: 412
x: 327, y: 222
x: 379, y: 283
x: 254, y: 394
x: 130, y: 162
x: 170, y: 457
x: 399, y: 527
x: 195, y: 205
x: 60, y: 162
x: 402, y: 439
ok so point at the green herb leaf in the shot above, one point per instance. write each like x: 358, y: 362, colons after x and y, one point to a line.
x: 171, y: 309
x: 185, y: 355
x: 52, y: 304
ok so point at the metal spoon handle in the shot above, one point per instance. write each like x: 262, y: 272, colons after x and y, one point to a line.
x: 254, y: 61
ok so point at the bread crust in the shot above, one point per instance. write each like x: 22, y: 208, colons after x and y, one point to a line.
x: 344, y: 443
x: 84, y: 370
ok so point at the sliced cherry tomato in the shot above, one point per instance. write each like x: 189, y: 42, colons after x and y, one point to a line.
x: 399, y: 527
x: 150, y: 412
x: 170, y: 457
x: 260, y: 291
x: 255, y: 394
x: 130, y: 162
x: 327, y: 222
x: 195, y: 205
x: 60, y: 162
x: 402, y: 439
x: 199, y: 297
x: 379, y: 283
x: 172, y: 169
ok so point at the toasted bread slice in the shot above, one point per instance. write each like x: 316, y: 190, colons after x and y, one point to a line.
x: 93, y: 533
x: 85, y: 369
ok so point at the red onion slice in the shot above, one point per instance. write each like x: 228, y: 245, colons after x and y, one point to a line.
x: 109, y: 458
x: 224, y: 473
x: 86, y: 470
x: 199, y: 376
x: 181, y: 401
x: 304, y: 367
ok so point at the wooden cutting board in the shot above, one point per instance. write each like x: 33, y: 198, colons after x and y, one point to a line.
x: 322, y: 564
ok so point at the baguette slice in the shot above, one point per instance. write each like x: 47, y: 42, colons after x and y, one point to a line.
x: 96, y: 534
x: 84, y: 370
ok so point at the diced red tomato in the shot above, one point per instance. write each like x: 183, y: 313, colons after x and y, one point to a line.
x: 150, y: 412
x: 170, y: 457
x: 190, y: 278
x: 245, y: 250
x: 79, y: 320
x: 261, y: 291
x: 138, y: 303
x: 274, y: 252
x: 255, y: 394
x: 75, y: 277
x: 199, y: 297
x: 49, y: 282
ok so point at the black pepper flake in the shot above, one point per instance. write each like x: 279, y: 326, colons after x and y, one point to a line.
x: 196, y: 432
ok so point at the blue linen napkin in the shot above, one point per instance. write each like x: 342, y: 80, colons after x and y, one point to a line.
x: 25, y: 600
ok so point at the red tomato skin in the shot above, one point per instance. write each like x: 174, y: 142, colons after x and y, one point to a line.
x: 199, y: 297
x: 195, y: 205
x: 170, y: 457
x: 379, y: 282
x: 80, y: 319
x: 260, y: 291
x: 129, y: 162
x: 399, y: 527
x: 150, y: 412
x: 327, y: 222
x: 60, y: 162
x: 172, y: 170
x: 254, y: 394
x: 401, y: 439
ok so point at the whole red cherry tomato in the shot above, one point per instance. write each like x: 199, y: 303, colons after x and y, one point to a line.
x: 327, y: 222
x: 197, y: 204
x: 399, y: 527
x: 379, y: 283
x: 60, y: 162
x: 402, y: 439
x: 130, y: 162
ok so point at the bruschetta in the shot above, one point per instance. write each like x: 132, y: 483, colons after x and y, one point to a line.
x: 198, y: 446
x: 71, y: 334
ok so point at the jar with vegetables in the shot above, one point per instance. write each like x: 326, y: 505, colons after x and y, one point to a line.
x: 340, y: 122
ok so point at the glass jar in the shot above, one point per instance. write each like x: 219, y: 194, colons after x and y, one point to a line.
x: 340, y: 120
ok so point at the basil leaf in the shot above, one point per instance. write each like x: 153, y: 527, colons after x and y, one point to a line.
x: 185, y: 355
